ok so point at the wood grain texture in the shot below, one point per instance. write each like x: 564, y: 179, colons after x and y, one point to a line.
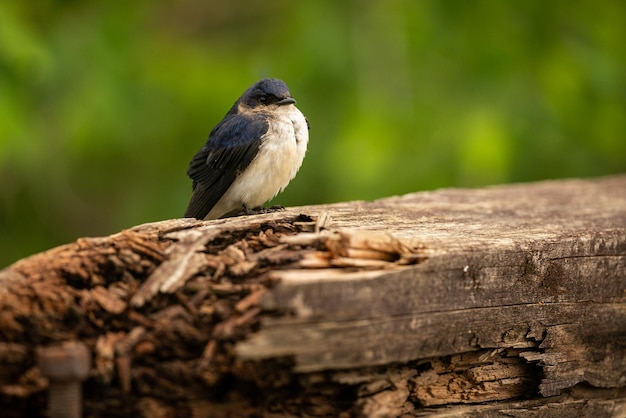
x: 516, y: 266
x: 503, y: 301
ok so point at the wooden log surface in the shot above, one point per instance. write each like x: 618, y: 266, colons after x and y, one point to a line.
x: 488, y: 302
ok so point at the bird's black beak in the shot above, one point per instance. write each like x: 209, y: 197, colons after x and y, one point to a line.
x: 286, y: 101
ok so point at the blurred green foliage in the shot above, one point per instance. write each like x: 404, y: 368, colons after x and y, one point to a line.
x: 103, y: 104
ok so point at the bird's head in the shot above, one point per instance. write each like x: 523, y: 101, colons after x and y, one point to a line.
x: 268, y: 92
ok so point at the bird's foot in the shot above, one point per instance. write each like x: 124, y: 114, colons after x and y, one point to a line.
x: 259, y: 210
x: 275, y: 208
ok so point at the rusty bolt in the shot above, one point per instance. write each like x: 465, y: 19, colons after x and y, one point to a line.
x: 65, y: 366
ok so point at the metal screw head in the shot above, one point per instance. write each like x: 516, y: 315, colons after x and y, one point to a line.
x: 65, y: 362
x: 66, y: 366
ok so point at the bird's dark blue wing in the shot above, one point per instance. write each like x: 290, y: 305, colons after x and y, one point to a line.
x: 232, y: 145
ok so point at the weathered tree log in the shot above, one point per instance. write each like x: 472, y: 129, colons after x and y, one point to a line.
x: 504, y: 301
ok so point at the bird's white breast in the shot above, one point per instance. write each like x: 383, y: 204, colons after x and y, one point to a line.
x: 279, y: 157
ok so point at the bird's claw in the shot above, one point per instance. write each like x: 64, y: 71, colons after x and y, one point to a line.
x: 259, y: 210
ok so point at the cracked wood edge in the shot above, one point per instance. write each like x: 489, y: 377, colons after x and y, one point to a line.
x: 532, y: 265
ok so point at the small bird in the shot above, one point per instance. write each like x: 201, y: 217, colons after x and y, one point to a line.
x: 251, y: 155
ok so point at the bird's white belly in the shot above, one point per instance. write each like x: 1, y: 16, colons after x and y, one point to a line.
x: 279, y: 157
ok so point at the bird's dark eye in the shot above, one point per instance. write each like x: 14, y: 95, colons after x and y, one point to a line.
x: 267, y: 99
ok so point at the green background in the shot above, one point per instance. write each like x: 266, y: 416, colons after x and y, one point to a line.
x: 103, y: 103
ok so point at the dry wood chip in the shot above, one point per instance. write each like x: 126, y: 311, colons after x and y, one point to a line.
x: 116, y: 261
x: 86, y: 243
x: 51, y: 301
x: 96, y: 320
x: 206, y: 310
x: 269, y: 238
x: 242, y: 268
x: 32, y: 377
x: 359, y: 263
x: 76, y: 271
x: 129, y: 257
x: 226, y: 329
x: 270, y: 254
x: 314, y: 254
x: 126, y: 344
x: 227, y: 288
x: 253, y: 299
x: 323, y: 221
x: 145, y: 348
x: 233, y: 254
x: 380, y: 241
x: 136, y: 317
x: 247, y: 317
x: 107, y: 300
x: 213, y: 262
x: 199, y: 296
x: 342, y: 246
x: 104, y: 359
x: 179, y: 333
x: 170, y: 313
x: 123, y: 366
x: 208, y: 353
x: 270, y: 258
x: 315, y: 260
x: 97, y: 280
x: 182, y: 270
x: 219, y: 271
x: 305, y: 239
x: 184, y: 301
x: 185, y: 260
x: 369, y: 254
x: 143, y: 244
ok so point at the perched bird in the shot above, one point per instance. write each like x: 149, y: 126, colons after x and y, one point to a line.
x: 251, y: 155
